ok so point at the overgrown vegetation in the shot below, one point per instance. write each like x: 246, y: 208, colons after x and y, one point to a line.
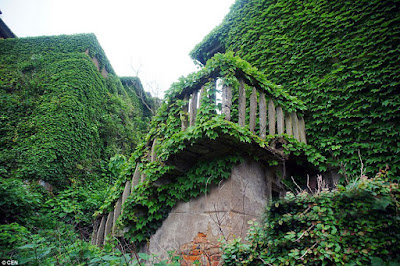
x: 148, y: 105
x: 60, y: 121
x: 164, y: 185
x: 341, y: 58
x: 59, y: 116
x: 38, y: 228
x: 356, y: 225
x: 36, y: 225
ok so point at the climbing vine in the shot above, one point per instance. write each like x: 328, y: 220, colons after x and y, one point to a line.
x: 149, y: 205
x: 59, y: 116
x: 355, y: 225
x: 163, y: 185
x: 341, y: 58
x: 225, y: 65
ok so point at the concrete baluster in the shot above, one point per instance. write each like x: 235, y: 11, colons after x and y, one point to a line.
x: 271, y: 117
x: 253, y: 110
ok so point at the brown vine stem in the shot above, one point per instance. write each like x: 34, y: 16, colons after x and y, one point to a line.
x: 263, y: 261
x: 305, y: 211
x: 302, y: 256
x: 298, y: 239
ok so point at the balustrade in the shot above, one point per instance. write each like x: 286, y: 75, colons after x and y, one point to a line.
x: 270, y: 116
x: 236, y: 106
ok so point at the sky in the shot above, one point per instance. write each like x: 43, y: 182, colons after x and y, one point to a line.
x: 148, y: 38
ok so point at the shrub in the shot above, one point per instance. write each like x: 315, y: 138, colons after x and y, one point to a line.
x: 355, y: 225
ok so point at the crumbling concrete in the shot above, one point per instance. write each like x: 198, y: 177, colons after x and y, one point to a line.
x: 222, y: 213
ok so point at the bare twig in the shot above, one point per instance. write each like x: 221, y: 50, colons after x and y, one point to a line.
x: 308, y: 229
x: 63, y: 244
x: 263, y: 261
x: 306, y: 210
x: 308, y: 183
x: 321, y: 185
x: 137, y: 70
x: 220, y: 217
x: 296, y: 184
x: 142, y: 98
x: 308, y: 250
x: 123, y: 251
x: 137, y: 258
x: 362, y: 171
x: 215, y: 219
x: 219, y: 223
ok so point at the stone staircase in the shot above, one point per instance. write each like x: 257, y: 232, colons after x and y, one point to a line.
x: 266, y: 111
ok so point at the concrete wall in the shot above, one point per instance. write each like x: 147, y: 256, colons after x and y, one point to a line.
x: 224, y: 212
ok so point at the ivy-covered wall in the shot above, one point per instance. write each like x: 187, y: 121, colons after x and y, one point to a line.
x: 147, y: 104
x: 173, y: 165
x: 59, y: 116
x: 339, y: 57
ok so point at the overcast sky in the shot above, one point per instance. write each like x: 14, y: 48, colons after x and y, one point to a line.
x: 154, y: 37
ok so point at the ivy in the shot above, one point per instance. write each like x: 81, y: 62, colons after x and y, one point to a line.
x: 355, y: 225
x: 164, y: 185
x: 59, y: 116
x: 340, y: 58
x: 225, y: 66
x: 149, y: 205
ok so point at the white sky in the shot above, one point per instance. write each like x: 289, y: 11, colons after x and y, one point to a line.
x: 152, y: 36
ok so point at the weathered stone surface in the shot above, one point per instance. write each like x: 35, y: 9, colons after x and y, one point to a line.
x: 153, y: 154
x: 295, y: 123
x: 136, y: 177
x: 96, y: 63
x: 117, y: 213
x: 280, y: 120
x: 271, y: 117
x: 108, y: 226
x: 302, y: 130
x: 223, y: 212
x: 263, y: 115
x: 288, y: 122
x: 95, y: 226
x: 193, y: 108
x: 227, y: 101
x: 202, y: 93
x: 104, y: 72
x: 125, y: 194
x: 253, y: 110
x: 100, y: 232
x: 242, y: 103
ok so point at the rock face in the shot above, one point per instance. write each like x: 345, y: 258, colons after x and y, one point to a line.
x: 223, y: 212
